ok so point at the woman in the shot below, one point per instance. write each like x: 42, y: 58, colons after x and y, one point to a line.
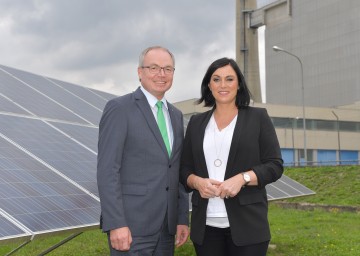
x: 230, y: 154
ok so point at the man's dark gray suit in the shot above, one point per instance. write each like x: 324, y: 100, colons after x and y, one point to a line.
x: 138, y: 182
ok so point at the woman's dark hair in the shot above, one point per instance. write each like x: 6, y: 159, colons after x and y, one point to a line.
x: 243, y: 94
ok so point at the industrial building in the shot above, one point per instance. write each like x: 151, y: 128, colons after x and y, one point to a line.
x: 312, y: 79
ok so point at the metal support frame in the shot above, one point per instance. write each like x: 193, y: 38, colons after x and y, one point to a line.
x: 18, y: 248
x: 59, y: 244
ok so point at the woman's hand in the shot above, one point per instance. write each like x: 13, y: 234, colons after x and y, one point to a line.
x: 208, y: 188
x: 231, y: 187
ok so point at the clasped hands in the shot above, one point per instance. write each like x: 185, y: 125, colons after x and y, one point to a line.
x: 210, y: 188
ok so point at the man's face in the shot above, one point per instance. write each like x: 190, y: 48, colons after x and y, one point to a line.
x: 156, y: 83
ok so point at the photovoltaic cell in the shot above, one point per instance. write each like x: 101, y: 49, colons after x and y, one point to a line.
x: 286, y: 188
x: 38, y: 198
x: 9, y: 230
x: 104, y: 95
x: 65, y: 98
x: 10, y: 107
x: 47, y: 168
x: 33, y: 100
x: 54, y: 148
x: 93, y: 97
x: 87, y: 135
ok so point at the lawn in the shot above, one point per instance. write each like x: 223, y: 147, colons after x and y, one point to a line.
x: 294, y: 232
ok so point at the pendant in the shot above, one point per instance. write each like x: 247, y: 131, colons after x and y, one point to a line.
x: 217, y: 162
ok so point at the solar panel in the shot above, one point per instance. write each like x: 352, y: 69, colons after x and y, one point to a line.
x: 7, y: 106
x: 38, y: 198
x: 104, y: 95
x: 48, y: 147
x: 95, y: 98
x: 65, y: 98
x: 34, y: 101
x: 86, y: 135
x: 9, y: 228
x: 60, y: 152
x: 286, y: 188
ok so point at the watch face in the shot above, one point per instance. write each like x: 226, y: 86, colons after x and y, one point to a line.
x: 246, y: 177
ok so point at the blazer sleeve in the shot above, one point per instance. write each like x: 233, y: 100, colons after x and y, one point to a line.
x: 187, y: 161
x: 112, y: 135
x: 271, y: 167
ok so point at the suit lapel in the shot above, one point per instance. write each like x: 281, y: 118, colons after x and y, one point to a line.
x: 175, y: 126
x: 144, y: 107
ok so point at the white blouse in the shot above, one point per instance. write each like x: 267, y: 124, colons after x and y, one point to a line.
x: 216, y: 147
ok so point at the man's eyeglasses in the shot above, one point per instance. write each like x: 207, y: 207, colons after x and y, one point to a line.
x: 155, y: 69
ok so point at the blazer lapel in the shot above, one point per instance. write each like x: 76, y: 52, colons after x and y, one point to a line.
x: 235, y: 143
x: 144, y: 107
x: 200, y: 141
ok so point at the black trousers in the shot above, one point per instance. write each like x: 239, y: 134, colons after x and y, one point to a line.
x: 218, y: 242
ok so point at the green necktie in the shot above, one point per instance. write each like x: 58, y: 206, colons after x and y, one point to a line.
x: 162, y: 126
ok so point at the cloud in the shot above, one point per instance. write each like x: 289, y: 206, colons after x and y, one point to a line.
x: 97, y: 44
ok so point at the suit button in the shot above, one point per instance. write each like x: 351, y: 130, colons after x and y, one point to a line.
x: 167, y: 188
x: 170, y: 166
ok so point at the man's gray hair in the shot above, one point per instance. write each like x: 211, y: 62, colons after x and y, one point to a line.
x: 144, y: 52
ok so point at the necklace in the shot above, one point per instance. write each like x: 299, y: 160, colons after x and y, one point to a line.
x: 230, y: 126
x: 217, y: 161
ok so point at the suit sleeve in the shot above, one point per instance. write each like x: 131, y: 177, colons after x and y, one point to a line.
x: 271, y: 167
x: 112, y: 135
x: 183, y: 212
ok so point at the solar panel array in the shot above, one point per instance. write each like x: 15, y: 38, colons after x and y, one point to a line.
x: 48, y: 148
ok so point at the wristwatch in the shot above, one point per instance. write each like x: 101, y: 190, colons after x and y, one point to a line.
x: 246, y: 177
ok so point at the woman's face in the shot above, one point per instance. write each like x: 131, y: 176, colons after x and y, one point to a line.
x: 224, y: 85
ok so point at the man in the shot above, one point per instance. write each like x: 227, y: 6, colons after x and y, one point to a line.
x: 140, y: 142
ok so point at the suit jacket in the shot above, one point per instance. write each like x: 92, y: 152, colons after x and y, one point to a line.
x: 138, y: 183
x: 254, y: 147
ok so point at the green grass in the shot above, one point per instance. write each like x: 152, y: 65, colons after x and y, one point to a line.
x: 313, y: 233
x: 334, y: 185
x: 294, y: 232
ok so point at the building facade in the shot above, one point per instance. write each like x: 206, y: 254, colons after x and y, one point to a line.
x: 332, y: 135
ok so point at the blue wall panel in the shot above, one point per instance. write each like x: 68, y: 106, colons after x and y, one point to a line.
x: 288, y: 156
x: 349, y: 157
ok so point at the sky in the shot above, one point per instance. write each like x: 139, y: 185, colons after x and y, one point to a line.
x: 97, y: 43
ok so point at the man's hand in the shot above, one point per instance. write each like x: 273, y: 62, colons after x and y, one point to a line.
x: 121, y: 239
x: 182, y: 233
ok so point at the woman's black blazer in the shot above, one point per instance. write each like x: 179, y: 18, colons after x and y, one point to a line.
x: 254, y: 147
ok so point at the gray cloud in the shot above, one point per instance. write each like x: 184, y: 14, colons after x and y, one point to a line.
x: 97, y: 43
